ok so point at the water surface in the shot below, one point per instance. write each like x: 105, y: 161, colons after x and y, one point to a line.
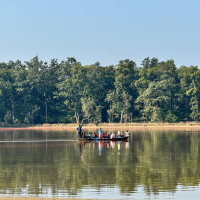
x: 152, y: 165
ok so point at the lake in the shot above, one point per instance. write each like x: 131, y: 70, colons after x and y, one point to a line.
x: 162, y: 164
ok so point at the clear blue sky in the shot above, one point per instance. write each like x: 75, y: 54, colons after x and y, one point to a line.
x: 100, y: 30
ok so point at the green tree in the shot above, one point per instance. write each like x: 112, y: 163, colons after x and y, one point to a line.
x: 71, y: 89
x: 161, y: 94
x: 88, y: 107
x: 194, y: 94
x: 125, y: 92
x: 189, y: 92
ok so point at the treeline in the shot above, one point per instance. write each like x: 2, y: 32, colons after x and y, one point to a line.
x: 37, y: 92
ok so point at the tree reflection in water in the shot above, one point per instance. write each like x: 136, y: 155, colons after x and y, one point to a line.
x: 157, y: 161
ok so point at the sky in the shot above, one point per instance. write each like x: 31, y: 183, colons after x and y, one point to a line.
x: 106, y: 31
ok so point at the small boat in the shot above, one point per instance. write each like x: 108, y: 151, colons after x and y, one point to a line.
x: 118, y: 138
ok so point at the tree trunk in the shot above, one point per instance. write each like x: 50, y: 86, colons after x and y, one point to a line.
x: 121, y: 120
x: 125, y: 118
x: 131, y: 117
x: 13, y: 112
x: 77, y: 117
x: 32, y: 116
x: 46, y: 111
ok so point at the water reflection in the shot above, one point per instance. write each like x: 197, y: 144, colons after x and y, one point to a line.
x: 151, y: 163
x: 101, y: 146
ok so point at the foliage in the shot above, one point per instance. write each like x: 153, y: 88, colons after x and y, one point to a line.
x: 36, y: 92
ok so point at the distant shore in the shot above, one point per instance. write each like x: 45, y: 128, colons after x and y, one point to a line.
x: 38, y: 198
x: 132, y: 125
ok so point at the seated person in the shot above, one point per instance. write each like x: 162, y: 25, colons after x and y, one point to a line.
x: 90, y: 135
x: 121, y: 135
x: 83, y: 135
x: 112, y: 135
x: 95, y: 135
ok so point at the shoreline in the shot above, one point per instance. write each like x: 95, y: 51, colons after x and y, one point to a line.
x: 39, y: 198
x: 180, y: 125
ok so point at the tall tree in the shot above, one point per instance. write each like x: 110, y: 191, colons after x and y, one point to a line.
x: 71, y: 89
x: 194, y: 93
x: 125, y: 92
x: 161, y: 94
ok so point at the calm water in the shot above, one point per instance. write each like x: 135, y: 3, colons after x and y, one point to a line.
x: 152, y: 165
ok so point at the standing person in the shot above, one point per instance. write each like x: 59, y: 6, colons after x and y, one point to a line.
x: 100, y: 132
x: 127, y: 133
x: 79, y: 131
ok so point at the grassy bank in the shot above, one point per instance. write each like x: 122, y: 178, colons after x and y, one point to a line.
x: 36, y: 198
x: 108, y: 125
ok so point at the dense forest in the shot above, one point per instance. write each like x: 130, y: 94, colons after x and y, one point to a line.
x: 36, y: 92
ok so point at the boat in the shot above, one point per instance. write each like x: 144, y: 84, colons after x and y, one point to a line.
x: 118, y: 138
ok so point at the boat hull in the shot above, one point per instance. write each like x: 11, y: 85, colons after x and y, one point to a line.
x: 105, y: 139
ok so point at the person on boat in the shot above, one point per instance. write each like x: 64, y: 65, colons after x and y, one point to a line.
x: 83, y: 135
x: 90, y: 135
x: 120, y: 136
x: 103, y: 135
x: 108, y: 136
x: 127, y: 134
x: 79, y: 131
x: 95, y: 135
x: 112, y: 135
x: 100, y: 132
